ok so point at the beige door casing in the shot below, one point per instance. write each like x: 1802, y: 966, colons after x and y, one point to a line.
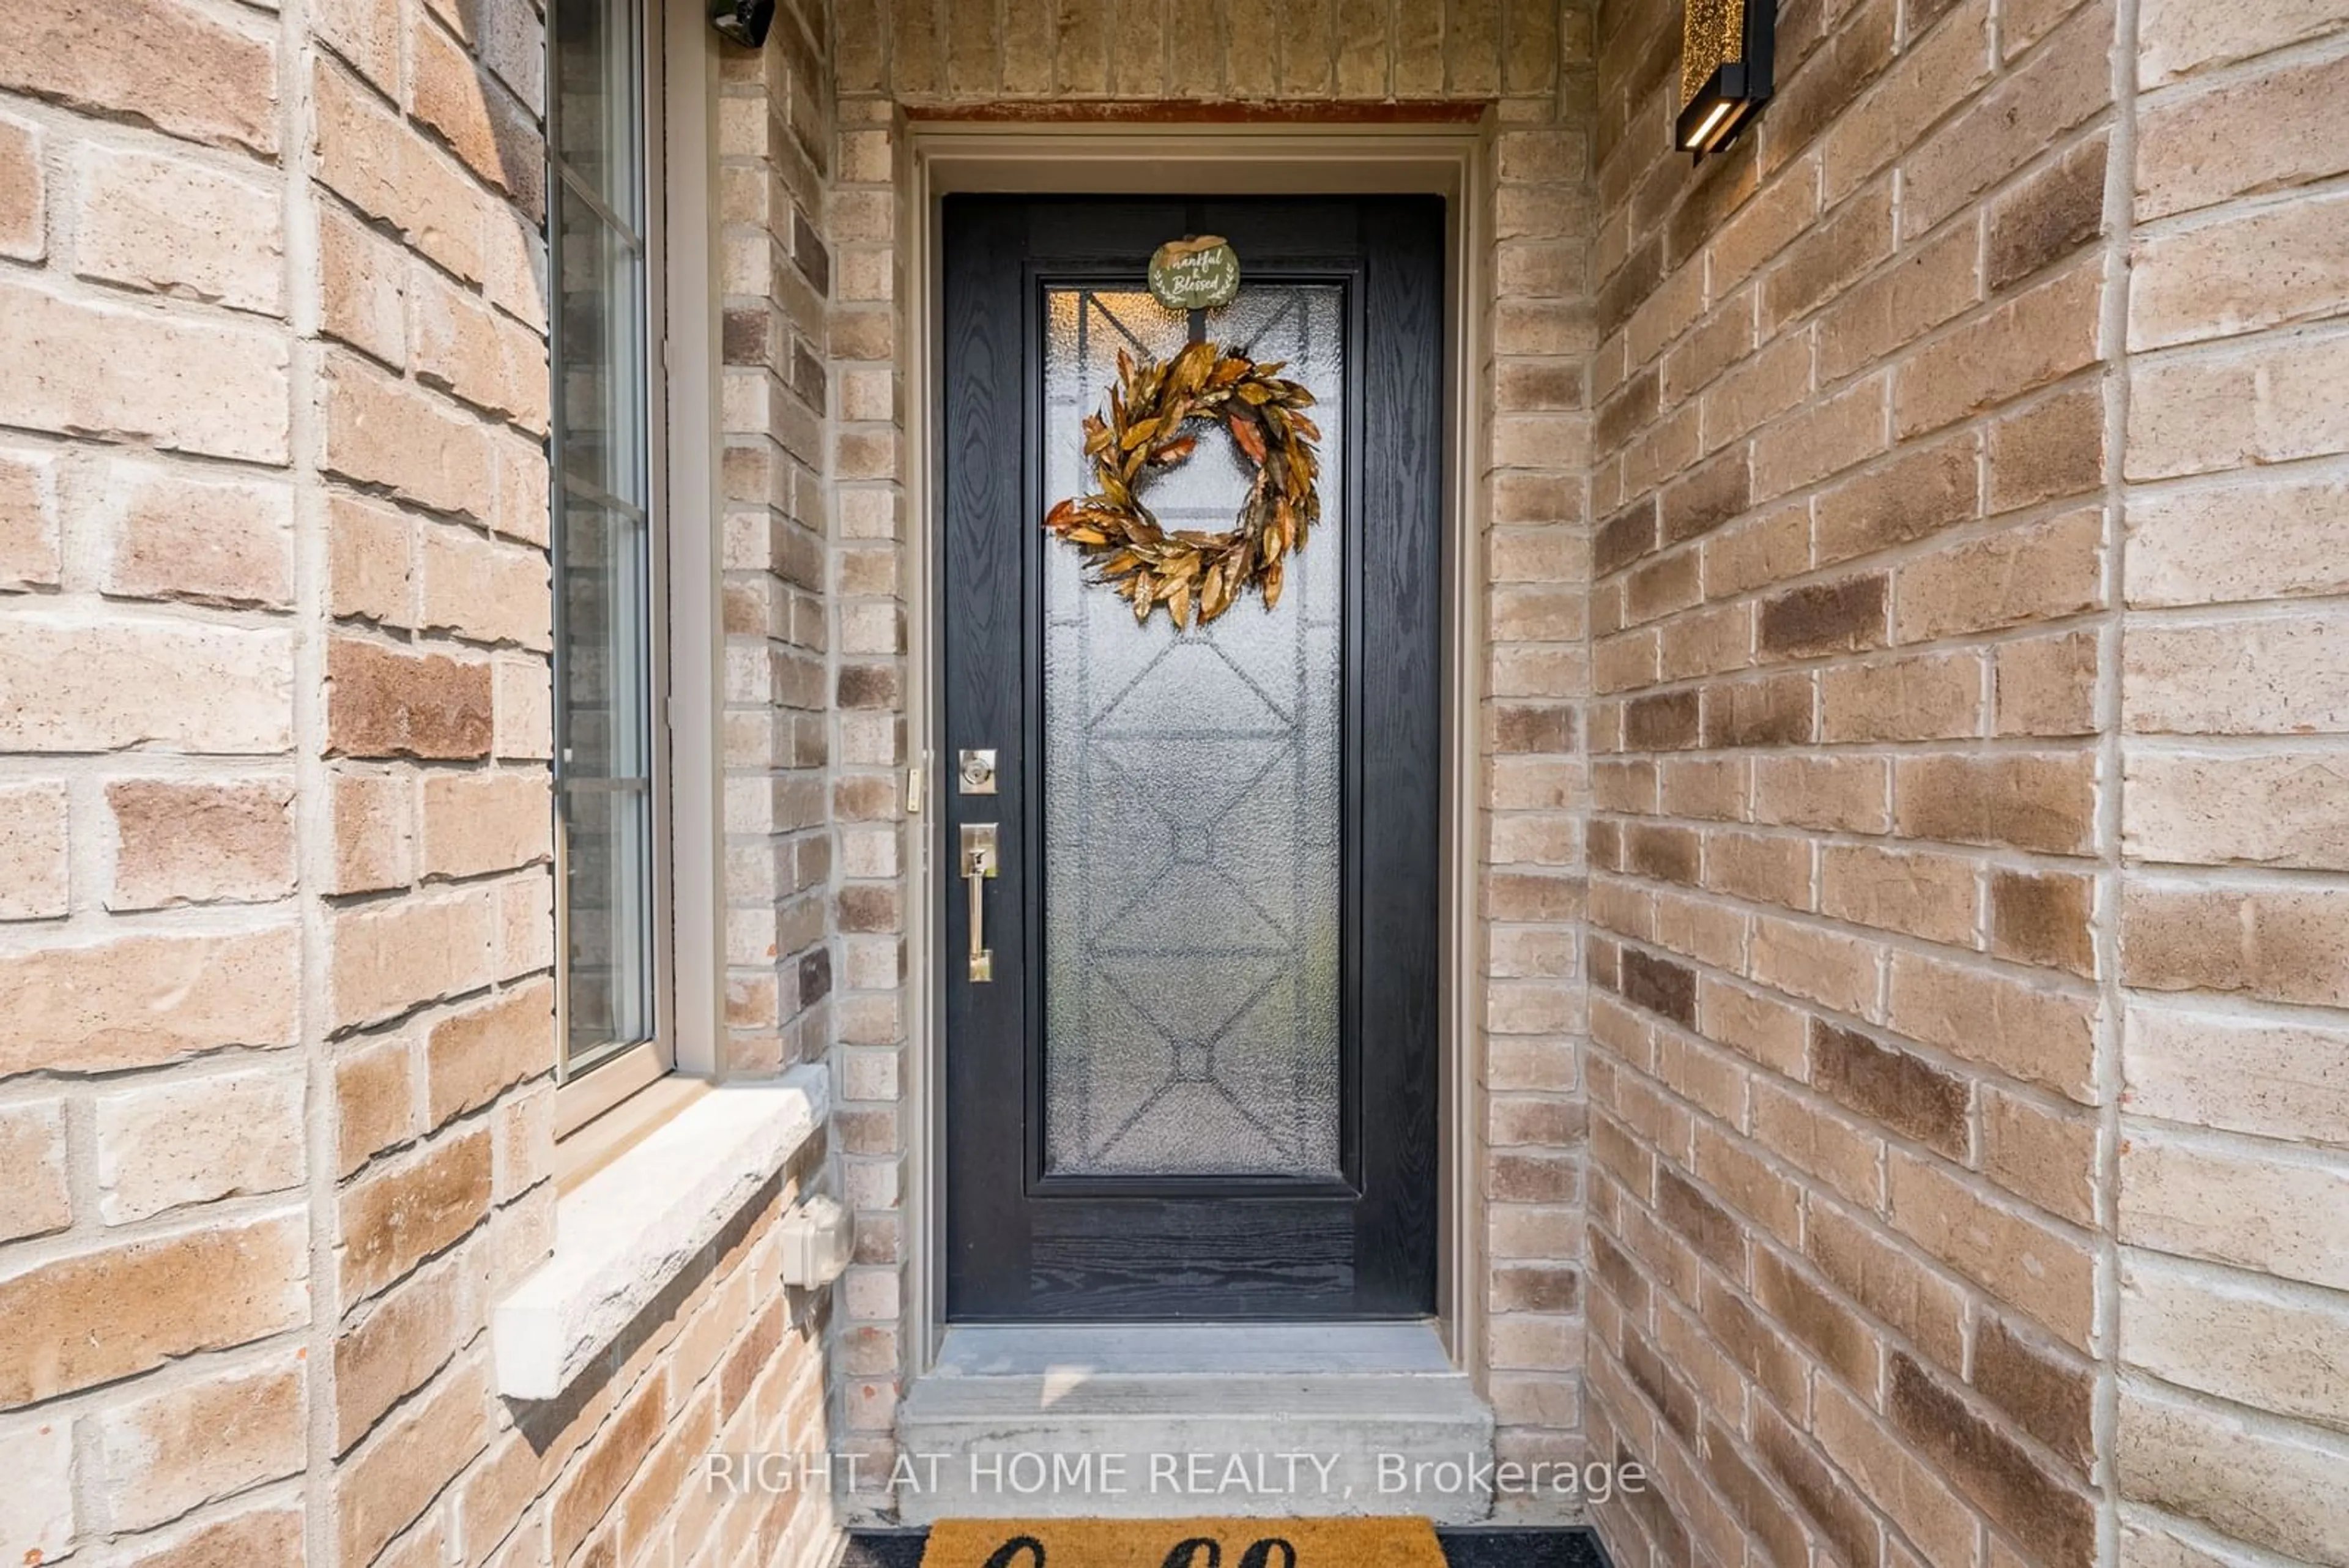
x: 1447, y: 158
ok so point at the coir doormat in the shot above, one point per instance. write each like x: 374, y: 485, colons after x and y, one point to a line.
x: 1182, y: 1543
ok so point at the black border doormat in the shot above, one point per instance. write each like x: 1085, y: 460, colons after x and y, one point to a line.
x: 1483, y: 1546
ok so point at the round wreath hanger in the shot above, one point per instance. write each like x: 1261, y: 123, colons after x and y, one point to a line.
x: 1196, y: 576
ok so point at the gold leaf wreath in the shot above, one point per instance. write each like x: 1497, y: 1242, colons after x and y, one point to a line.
x: 1196, y: 576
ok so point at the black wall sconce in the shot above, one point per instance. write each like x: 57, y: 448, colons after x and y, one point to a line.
x: 743, y: 22
x: 1725, y: 71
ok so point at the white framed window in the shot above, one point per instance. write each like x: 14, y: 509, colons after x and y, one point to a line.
x: 613, y: 894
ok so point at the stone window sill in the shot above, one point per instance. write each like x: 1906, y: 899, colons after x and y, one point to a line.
x: 622, y: 1234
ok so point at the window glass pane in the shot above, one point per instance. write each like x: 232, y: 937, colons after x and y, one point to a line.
x: 601, y: 384
x: 604, y: 641
x: 599, y: 100
x: 606, y: 766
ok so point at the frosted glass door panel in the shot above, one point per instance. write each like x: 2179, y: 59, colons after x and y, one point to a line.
x: 1192, y: 793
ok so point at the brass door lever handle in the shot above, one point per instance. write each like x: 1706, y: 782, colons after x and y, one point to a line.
x: 978, y: 862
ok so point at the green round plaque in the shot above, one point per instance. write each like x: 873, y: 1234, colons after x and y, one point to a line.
x: 1196, y: 273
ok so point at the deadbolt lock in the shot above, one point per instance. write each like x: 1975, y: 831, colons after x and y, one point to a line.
x: 975, y: 770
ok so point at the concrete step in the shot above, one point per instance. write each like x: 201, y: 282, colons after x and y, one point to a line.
x: 1474, y: 1546
x: 1156, y: 1421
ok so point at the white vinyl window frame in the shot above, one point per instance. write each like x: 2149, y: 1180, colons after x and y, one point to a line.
x: 615, y: 1013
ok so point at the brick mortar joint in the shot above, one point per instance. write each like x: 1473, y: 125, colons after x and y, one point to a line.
x: 1803, y: 1092
x: 2049, y: 981
x: 1974, y: 1399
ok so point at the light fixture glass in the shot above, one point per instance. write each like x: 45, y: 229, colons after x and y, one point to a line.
x: 1725, y: 71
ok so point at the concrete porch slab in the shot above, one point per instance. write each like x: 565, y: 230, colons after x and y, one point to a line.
x: 1159, y: 1420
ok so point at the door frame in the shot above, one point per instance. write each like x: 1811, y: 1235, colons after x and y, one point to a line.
x: 1449, y: 158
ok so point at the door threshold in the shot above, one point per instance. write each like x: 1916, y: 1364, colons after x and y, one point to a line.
x: 1191, y: 1349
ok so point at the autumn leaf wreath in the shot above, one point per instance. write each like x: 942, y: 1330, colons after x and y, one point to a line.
x: 1196, y: 576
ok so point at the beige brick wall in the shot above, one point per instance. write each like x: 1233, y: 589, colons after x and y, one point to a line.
x: 775, y: 150
x: 2233, y: 1179
x: 1966, y: 1113
x: 1530, y: 60
x: 1941, y: 495
x: 275, y: 933
x: 159, y: 1262
x: 1853, y: 856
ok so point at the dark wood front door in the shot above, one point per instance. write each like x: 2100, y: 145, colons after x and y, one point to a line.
x: 1202, y: 1079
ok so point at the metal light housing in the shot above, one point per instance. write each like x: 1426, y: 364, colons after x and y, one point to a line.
x: 743, y: 22
x: 1725, y: 71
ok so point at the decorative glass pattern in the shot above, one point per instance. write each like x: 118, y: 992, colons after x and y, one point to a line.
x: 1191, y: 794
